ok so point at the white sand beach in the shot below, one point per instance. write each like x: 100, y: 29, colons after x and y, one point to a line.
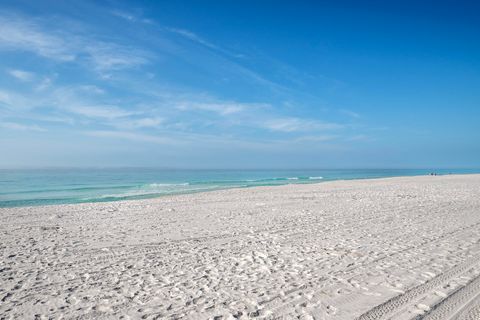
x: 395, y: 248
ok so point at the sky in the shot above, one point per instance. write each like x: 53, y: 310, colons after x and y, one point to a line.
x: 240, y: 84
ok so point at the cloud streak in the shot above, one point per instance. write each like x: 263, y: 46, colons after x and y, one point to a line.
x: 21, y: 34
x: 224, y: 109
x: 21, y: 127
x: 296, y: 124
x: 350, y: 113
x: 21, y: 75
x: 18, y: 34
x: 127, y: 135
x: 100, y: 111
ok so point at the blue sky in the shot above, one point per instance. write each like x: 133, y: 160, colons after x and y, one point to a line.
x: 240, y: 84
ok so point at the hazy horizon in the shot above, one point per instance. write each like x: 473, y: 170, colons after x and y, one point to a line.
x: 473, y: 169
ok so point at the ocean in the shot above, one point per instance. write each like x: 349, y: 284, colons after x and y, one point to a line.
x: 33, y: 187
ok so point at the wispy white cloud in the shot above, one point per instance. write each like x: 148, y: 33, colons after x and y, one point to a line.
x: 44, y: 84
x: 151, y: 122
x: 14, y: 101
x: 237, y: 67
x: 182, y: 139
x: 21, y: 34
x: 87, y: 101
x: 55, y: 119
x: 127, y: 135
x: 193, y: 37
x: 316, y: 138
x: 100, y: 111
x: 359, y: 137
x: 108, y: 56
x: 128, y: 16
x: 90, y: 106
x: 147, y: 122
x: 350, y: 113
x: 21, y: 74
x: 72, y: 102
x: 216, y: 142
x: 21, y: 127
x: 124, y: 15
x: 89, y: 89
x: 5, y: 98
x: 17, y: 34
x: 30, y: 35
x: 222, y: 108
x: 291, y: 124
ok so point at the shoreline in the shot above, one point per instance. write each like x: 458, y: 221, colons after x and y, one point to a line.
x: 155, y: 196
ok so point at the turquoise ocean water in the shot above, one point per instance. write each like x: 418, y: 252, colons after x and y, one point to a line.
x: 29, y: 187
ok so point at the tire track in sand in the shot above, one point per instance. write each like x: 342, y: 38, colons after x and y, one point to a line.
x: 390, y: 306
x: 463, y: 303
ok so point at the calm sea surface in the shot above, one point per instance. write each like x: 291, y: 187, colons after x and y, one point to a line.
x: 28, y: 187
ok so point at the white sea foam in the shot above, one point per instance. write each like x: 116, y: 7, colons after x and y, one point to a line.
x: 315, y: 178
x: 146, y: 192
x: 160, y: 185
x: 292, y: 178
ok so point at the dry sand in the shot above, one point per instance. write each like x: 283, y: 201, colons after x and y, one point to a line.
x: 398, y: 248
